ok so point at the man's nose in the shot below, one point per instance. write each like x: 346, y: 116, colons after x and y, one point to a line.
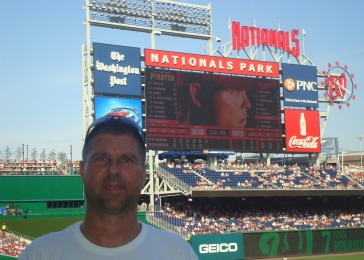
x: 113, y: 167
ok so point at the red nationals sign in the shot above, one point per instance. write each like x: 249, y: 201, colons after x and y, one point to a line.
x: 194, y: 62
x: 302, y: 131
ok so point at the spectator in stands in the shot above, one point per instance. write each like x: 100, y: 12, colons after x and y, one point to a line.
x: 218, y: 100
x: 3, y: 228
x: 113, y: 171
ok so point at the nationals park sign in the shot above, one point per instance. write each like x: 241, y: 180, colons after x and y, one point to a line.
x: 187, y: 61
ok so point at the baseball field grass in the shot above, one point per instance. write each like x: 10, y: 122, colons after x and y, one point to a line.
x: 35, y: 227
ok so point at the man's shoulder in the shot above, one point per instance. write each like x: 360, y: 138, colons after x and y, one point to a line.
x: 50, y: 237
x: 48, y: 242
x: 163, y: 235
x: 173, y: 244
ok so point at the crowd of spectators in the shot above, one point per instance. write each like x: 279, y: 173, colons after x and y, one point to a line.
x: 11, y: 244
x: 223, y: 218
x: 11, y: 209
x: 261, y: 176
x: 227, y: 217
x: 357, y: 175
x: 37, y: 167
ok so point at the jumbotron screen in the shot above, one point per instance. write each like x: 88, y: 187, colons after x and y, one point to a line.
x: 204, y: 111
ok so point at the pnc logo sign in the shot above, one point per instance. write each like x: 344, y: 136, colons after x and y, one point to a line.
x: 218, y: 248
x: 289, y: 84
x: 301, y: 85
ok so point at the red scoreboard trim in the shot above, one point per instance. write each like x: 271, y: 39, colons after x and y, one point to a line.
x: 187, y: 61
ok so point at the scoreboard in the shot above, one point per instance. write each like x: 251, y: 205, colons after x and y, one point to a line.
x: 171, y: 107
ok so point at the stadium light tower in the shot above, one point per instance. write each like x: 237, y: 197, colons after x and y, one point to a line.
x: 156, y: 17
x: 360, y: 138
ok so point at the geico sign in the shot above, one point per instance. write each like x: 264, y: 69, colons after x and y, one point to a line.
x: 218, y: 248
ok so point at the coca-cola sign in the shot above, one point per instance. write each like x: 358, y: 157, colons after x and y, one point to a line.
x: 302, y: 131
x: 309, y: 142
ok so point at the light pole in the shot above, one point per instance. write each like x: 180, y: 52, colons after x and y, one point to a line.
x: 71, y: 164
x: 360, y: 138
x: 71, y: 152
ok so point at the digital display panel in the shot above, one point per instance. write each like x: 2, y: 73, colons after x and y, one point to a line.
x: 131, y: 108
x: 197, y: 111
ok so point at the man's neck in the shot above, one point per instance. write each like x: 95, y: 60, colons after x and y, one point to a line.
x: 110, y: 230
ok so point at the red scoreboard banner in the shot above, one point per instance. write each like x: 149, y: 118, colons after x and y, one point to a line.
x: 206, y: 63
x: 302, y: 131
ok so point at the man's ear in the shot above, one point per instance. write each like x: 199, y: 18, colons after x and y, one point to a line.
x: 193, y: 88
x: 82, y: 170
x: 144, y: 176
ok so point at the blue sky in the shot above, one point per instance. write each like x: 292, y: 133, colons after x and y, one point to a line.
x: 40, y: 61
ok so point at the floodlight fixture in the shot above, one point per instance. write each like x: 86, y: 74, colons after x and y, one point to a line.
x: 167, y: 16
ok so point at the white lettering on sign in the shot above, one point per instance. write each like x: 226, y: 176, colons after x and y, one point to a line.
x: 218, y: 248
x: 119, y: 79
x: 156, y: 58
x: 116, y: 68
x: 257, y: 67
x: 310, y: 142
x: 306, y: 85
x: 114, y: 55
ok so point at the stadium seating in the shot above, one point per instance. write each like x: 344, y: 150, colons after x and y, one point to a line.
x: 296, y: 178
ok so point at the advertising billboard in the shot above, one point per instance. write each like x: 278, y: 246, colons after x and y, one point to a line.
x: 219, y: 246
x: 299, y: 85
x: 302, y: 243
x: 131, y: 108
x: 330, y: 146
x: 116, y: 70
x: 204, y: 111
x: 302, y: 131
x: 206, y: 63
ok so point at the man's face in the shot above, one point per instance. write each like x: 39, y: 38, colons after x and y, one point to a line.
x: 113, y: 173
x: 231, y: 108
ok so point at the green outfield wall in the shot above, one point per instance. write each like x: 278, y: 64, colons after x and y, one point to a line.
x: 40, y: 188
x: 262, y: 245
x: 43, y: 194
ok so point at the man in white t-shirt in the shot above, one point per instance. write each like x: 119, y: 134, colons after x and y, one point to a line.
x: 113, y: 171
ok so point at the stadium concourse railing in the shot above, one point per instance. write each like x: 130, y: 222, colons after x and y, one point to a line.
x: 178, y: 183
x: 165, y: 223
